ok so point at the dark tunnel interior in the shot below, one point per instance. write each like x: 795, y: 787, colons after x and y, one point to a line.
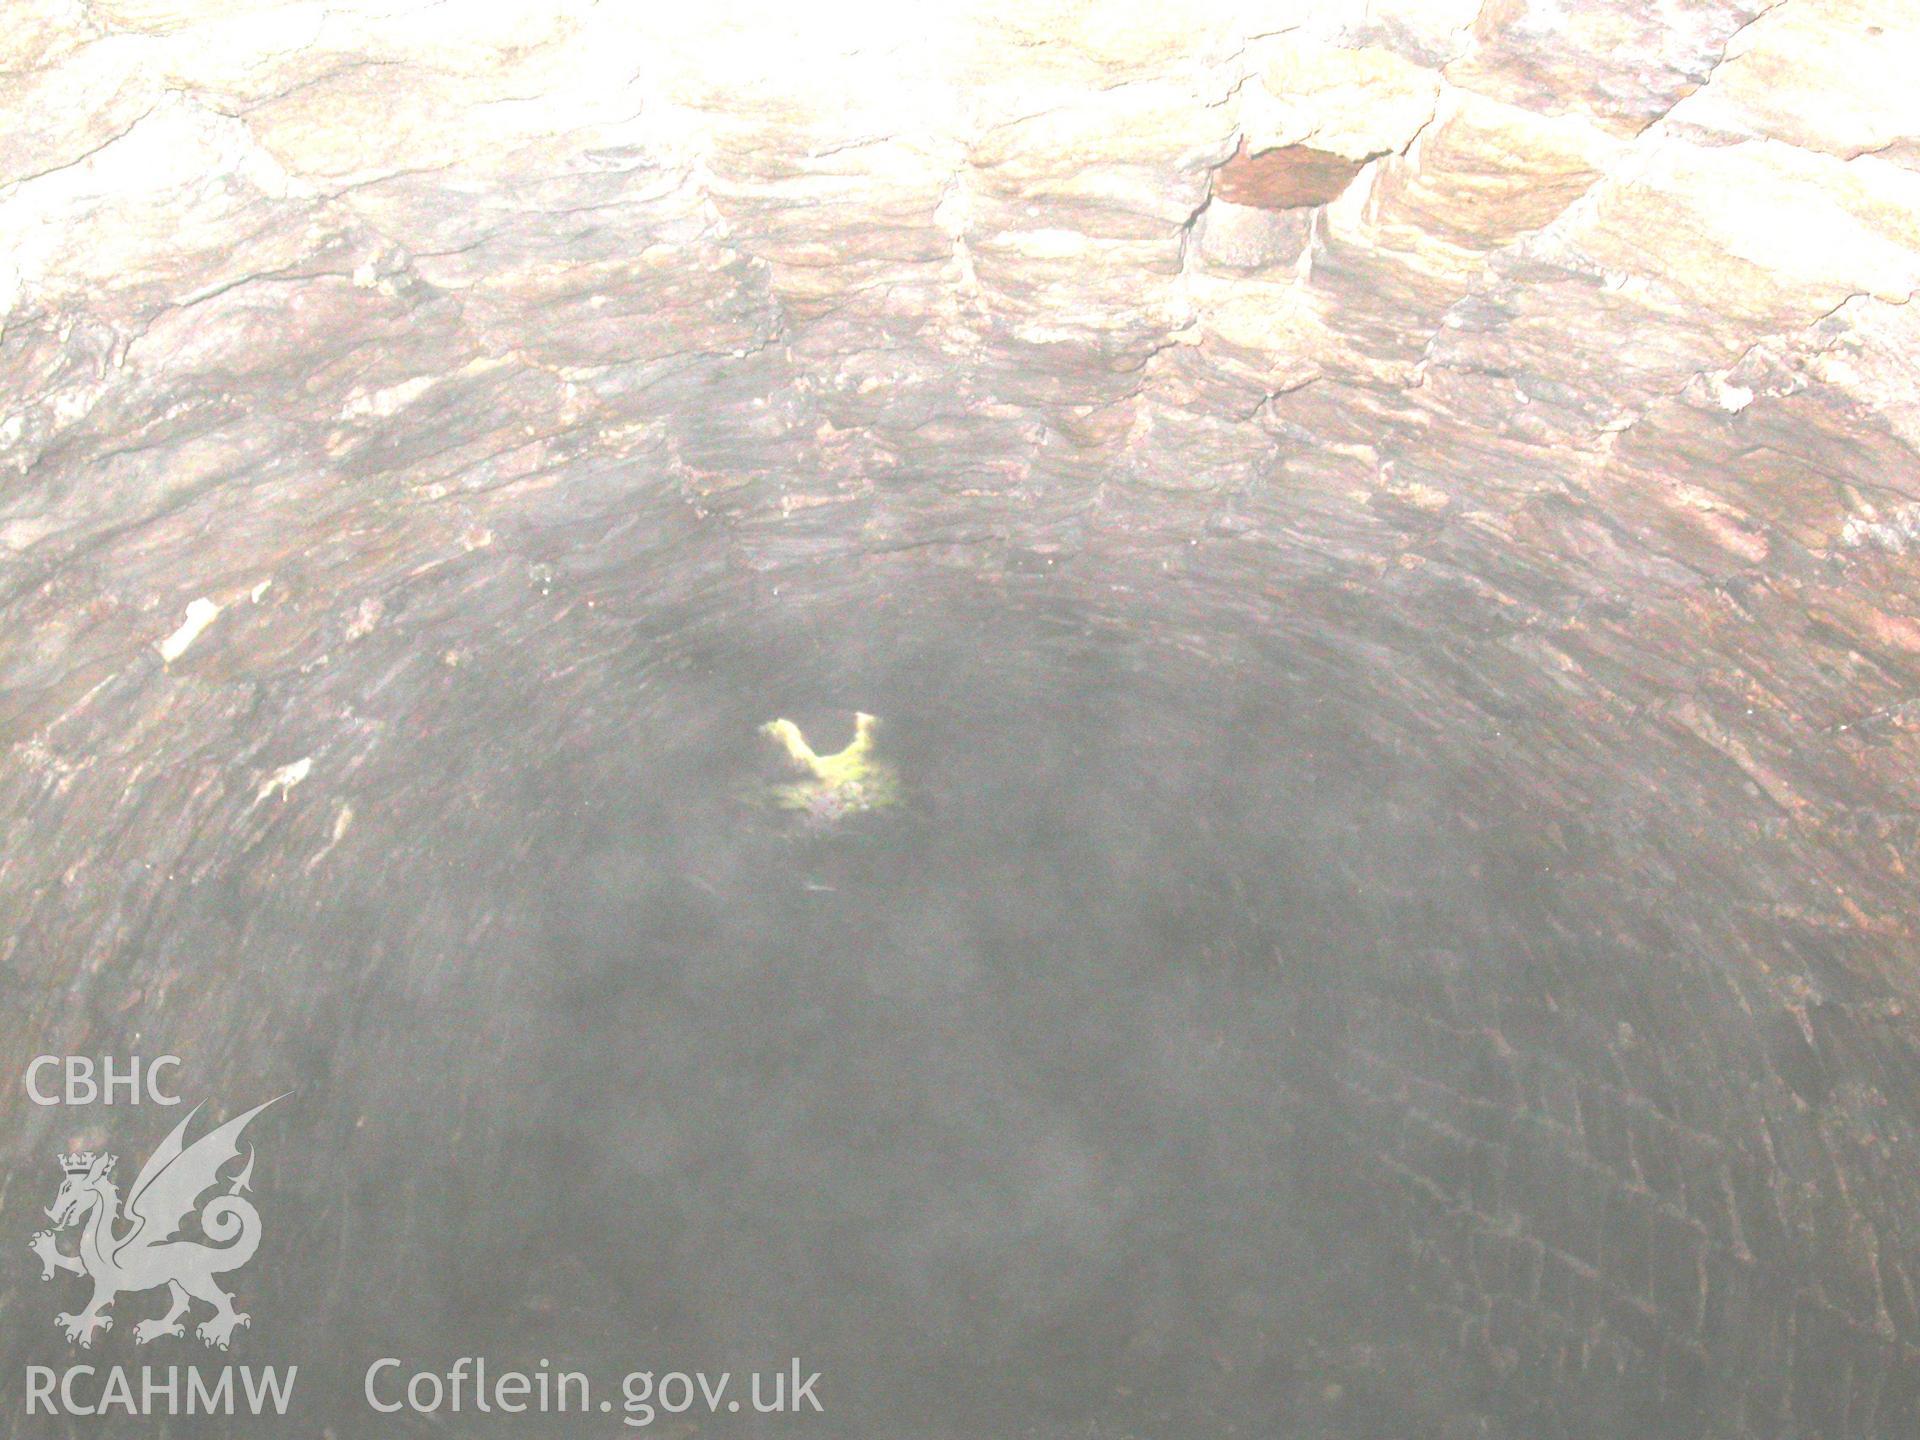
x: 1396, y: 919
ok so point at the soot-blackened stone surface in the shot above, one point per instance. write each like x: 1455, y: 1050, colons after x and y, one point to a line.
x: 1383, y: 541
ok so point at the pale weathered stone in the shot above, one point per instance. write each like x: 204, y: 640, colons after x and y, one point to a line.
x: 1251, y: 237
x: 1828, y: 75
x: 1356, y: 103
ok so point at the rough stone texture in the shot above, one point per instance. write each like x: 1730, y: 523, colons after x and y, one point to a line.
x: 1543, y: 375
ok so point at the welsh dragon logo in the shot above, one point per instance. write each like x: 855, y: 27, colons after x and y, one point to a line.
x: 142, y: 1249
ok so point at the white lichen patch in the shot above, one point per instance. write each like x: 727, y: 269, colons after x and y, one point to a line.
x: 366, y: 619
x: 285, y: 778
x: 200, y: 614
x: 1732, y: 398
x: 384, y: 402
x: 845, y: 783
x: 342, y: 822
x: 1420, y: 496
x: 1896, y: 532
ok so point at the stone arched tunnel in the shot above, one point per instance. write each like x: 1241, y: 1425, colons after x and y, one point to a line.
x: 1382, y: 541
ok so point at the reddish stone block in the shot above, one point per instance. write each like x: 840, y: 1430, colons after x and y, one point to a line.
x: 1282, y: 179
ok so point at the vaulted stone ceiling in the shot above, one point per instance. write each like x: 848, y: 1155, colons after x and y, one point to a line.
x: 1528, y: 388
